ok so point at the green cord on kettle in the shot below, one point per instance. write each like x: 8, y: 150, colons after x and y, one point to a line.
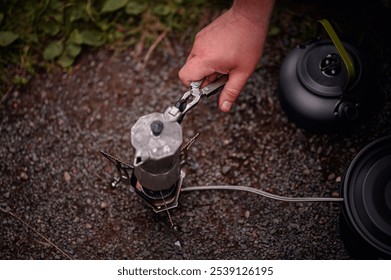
x: 341, y: 51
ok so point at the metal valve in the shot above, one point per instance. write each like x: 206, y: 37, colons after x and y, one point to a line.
x: 156, y: 174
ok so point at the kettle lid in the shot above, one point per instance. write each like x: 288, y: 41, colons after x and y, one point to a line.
x: 321, y: 68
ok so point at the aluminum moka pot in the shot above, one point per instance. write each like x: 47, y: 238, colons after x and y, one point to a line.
x: 322, y: 83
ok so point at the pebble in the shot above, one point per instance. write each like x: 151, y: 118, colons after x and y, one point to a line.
x: 34, y: 157
x: 67, y: 176
x: 331, y: 177
x: 24, y: 175
x: 104, y: 205
x: 226, y: 169
x: 88, y: 226
x: 247, y: 214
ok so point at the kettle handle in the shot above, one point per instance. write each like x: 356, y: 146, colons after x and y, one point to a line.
x: 341, y: 51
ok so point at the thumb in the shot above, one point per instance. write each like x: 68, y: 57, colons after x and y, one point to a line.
x: 231, y: 91
x: 193, y: 70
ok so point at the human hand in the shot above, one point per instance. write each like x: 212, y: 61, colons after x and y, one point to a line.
x: 233, y: 45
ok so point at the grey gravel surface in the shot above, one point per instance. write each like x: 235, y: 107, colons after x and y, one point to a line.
x: 54, y: 179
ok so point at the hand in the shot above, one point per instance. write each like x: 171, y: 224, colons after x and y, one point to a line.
x: 232, y: 44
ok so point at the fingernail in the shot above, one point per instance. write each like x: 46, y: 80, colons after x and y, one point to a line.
x: 226, y: 106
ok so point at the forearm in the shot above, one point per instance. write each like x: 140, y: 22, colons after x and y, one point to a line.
x: 257, y: 11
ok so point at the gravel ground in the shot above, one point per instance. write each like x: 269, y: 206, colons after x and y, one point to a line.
x: 54, y: 179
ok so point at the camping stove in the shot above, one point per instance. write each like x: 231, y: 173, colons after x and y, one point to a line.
x: 159, y: 154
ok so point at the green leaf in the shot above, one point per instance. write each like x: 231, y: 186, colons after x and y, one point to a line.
x: 104, y: 25
x: 50, y: 28
x: 92, y: 38
x: 65, y: 61
x: 75, y: 37
x: 273, y: 31
x: 32, y: 38
x: 20, y: 80
x: 72, y: 50
x: 115, y: 35
x: 55, y: 5
x: 7, y: 38
x: 77, y: 12
x: 53, y: 50
x: 59, y: 17
x: 135, y: 8
x: 162, y: 10
x: 113, y: 5
x: 118, y: 35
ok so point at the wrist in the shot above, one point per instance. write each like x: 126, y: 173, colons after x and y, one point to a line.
x: 256, y: 11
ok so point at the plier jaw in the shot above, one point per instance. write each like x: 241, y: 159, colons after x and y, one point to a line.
x: 191, y: 97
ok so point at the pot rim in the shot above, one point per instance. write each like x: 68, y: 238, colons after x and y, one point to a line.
x: 350, y: 214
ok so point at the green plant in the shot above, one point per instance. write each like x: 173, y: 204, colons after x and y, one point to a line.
x: 43, y: 34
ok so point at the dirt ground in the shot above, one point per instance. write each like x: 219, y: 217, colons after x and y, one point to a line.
x: 53, y: 178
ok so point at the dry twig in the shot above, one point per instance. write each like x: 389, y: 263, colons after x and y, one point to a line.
x: 33, y: 229
x: 153, y: 47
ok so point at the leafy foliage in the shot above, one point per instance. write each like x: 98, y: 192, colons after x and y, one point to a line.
x: 43, y: 33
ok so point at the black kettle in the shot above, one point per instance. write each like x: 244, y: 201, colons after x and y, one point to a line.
x: 322, y: 83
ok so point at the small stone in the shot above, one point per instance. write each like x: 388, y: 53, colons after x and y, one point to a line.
x: 88, y: 226
x: 67, y: 176
x: 331, y: 176
x: 306, y: 172
x: 24, y: 175
x: 335, y: 194
x: 247, y: 214
x: 225, y: 169
x: 338, y: 179
x: 34, y: 157
x: 7, y: 194
x: 178, y: 243
x: 104, y: 205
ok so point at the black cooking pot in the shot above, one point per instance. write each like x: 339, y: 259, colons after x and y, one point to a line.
x: 323, y: 83
x: 366, y: 212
